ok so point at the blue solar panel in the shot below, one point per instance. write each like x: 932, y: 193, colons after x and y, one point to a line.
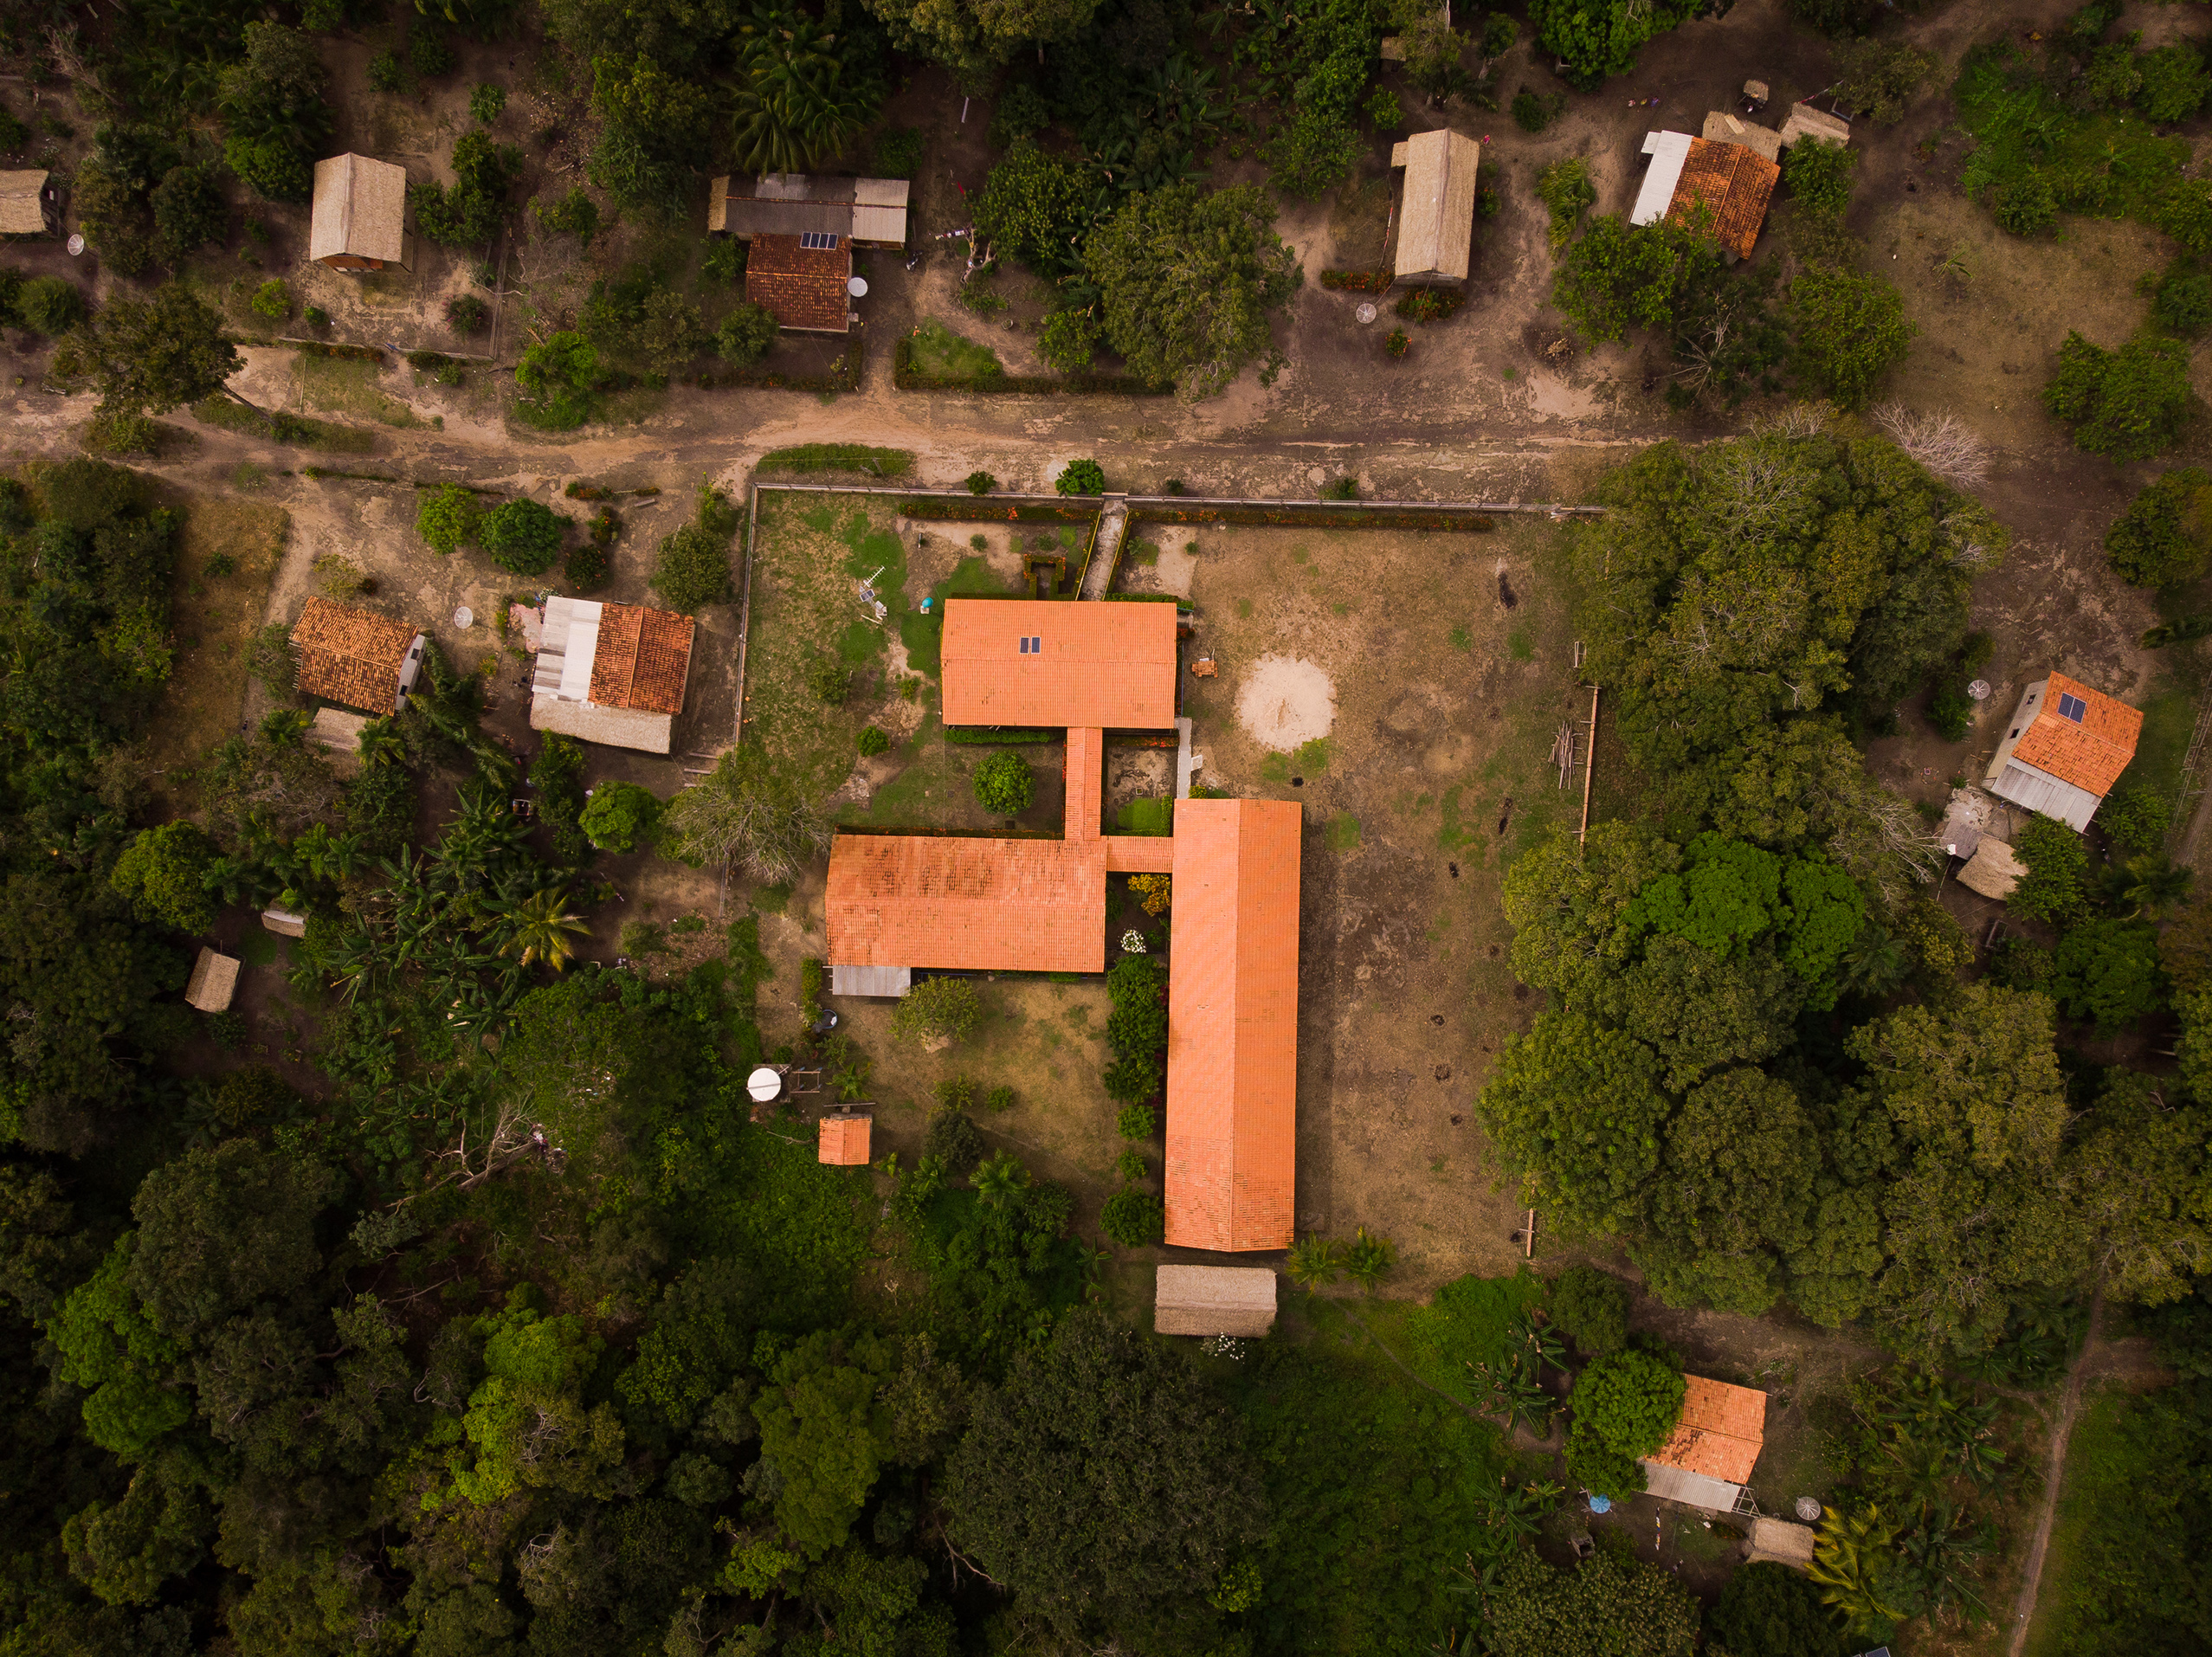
x: 2072, y: 708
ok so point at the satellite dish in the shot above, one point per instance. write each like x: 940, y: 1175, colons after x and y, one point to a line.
x: 1979, y: 690
x: 76, y: 245
x: 1365, y: 313
x: 464, y: 618
x: 763, y: 1084
x: 857, y: 287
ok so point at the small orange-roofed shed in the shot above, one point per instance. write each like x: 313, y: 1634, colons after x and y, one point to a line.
x: 2065, y: 749
x: 1708, y: 1459
x: 844, y: 1138
x: 1036, y: 662
x: 1232, y: 1054
x: 961, y: 903
x: 1734, y: 184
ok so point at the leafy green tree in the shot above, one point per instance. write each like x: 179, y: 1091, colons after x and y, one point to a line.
x: 188, y: 213
x: 826, y: 1429
x: 742, y: 336
x: 2108, y: 972
x: 619, y: 815
x: 2175, y: 83
x: 1699, y: 1010
x: 1083, y: 477
x: 275, y: 114
x: 2058, y: 864
x: 448, y: 517
x: 1851, y: 330
x: 1102, y: 1482
x: 2164, y: 537
x: 1576, y: 1110
x: 1617, y: 276
x: 693, y: 569
x: 576, y: 214
x: 1568, y: 907
x: 2126, y: 404
x: 2138, y: 1174
x: 1770, y: 1609
x: 747, y: 815
x: 1600, y: 38
x: 222, y: 1228
x: 948, y: 1009
x: 149, y: 356
x: 125, y: 1552
x: 271, y: 168
x: 1036, y: 208
x: 49, y: 305
x: 972, y: 38
x: 1603, y: 1607
x: 527, y: 1426
x: 1628, y: 1401
x: 470, y: 210
x: 108, y: 1346
x: 522, y: 535
x: 1591, y: 1307
x: 1189, y: 283
x: 1004, y: 784
x: 164, y: 874
x: 1819, y: 176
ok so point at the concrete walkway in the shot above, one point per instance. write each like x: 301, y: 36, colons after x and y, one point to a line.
x: 1113, y: 524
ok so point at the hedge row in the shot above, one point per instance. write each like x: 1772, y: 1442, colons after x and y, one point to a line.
x: 906, y: 378
x: 1317, y: 515
x: 994, y: 734
x: 351, y: 353
x: 1144, y: 598
x: 1359, y: 282
x: 981, y: 509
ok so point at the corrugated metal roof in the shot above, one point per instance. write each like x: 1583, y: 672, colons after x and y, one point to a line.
x: 360, y: 208
x: 884, y: 984
x: 1734, y: 184
x: 1720, y: 1431
x: 1232, y: 1065
x: 2038, y: 790
x: 1668, y: 151
x: 1110, y: 667
x: 844, y: 1141
x: 350, y: 656
x: 963, y: 904
x: 1693, y: 1489
x: 1213, y: 1300
x: 1437, y: 214
x: 2089, y: 752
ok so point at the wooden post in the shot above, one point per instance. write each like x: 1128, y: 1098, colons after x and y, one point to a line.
x: 1589, y: 768
x: 1528, y: 1237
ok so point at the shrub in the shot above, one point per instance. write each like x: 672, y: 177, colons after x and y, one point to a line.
x: 2135, y: 819
x: 1137, y: 1121
x: 272, y: 168
x: 2164, y: 537
x: 981, y: 483
x: 1340, y: 489
x: 385, y: 73
x: 429, y: 55
x: 1396, y: 343
x: 13, y: 133
x: 576, y: 214
x: 559, y: 375
x: 1775, y: 1611
x: 744, y: 335
x: 1819, y: 176
x: 1533, y: 113
x: 2126, y: 404
x: 620, y: 816
x: 1629, y: 1400
x: 524, y: 536
x: 1022, y: 110
x: 486, y: 103
x: 448, y: 517
x: 2056, y: 860
x: 724, y: 262
x: 1070, y: 339
x: 872, y: 742
x: 467, y: 313
x: 1082, y: 478
x: 164, y: 871
x: 830, y: 680
x: 946, y: 1009
x: 899, y: 153
x: 49, y: 305
x: 2174, y: 82
x: 1591, y: 1307
x: 1565, y: 190
x: 692, y: 569
x: 1133, y: 1219
x: 2181, y: 303
x: 588, y: 563
x: 1850, y: 329
x: 269, y: 660
x: 470, y: 209
x: 1429, y: 304
x: 1005, y: 785
x: 272, y: 300
x: 2027, y: 205
x: 188, y: 213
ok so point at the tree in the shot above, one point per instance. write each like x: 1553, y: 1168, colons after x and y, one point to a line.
x: 1576, y: 1109
x: 1880, y: 76
x: 2108, y: 971
x: 536, y: 927
x: 188, y: 213
x: 1629, y: 1401
x: 742, y: 336
x: 1598, y: 38
x: 826, y: 1429
x: 527, y: 1426
x: 1005, y: 785
x: 2139, y: 1175
x: 1035, y: 209
x: 49, y: 305
x: 1819, y: 176
x: 692, y: 569
x: 1083, y: 477
x: 973, y: 37
x: 939, y: 1009
x: 746, y: 814
x: 123, y: 1553
x: 1188, y: 283
x: 448, y: 517
x: 1699, y: 1010
x: 1770, y: 1609
x: 1134, y: 1219
x: 559, y: 375
x: 2164, y: 537
x: 221, y: 1228
x: 1603, y: 1607
x: 2057, y: 863
x: 797, y: 100
x: 147, y: 357
x: 619, y: 815
x: 1591, y: 1307
x: 471, y: 209
x: 1102, y: 1482
x: 523, y: 536
x: 1851, y: 329
x: 164, y: 874
x: 2126, y: 404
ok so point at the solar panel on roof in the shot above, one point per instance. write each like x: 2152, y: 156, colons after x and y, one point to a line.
x: 822, y: 239
x: 2072, y: 708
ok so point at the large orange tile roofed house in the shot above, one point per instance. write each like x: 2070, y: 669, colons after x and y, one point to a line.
x: 1232, y: 1045
x: 1720, y: 1433
x: 1040, y: 663
x: 2089, y: 752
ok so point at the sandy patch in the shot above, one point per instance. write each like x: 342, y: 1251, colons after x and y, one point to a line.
x: 1286, y: 700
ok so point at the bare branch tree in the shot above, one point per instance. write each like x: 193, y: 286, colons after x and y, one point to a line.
x: 1941, y: 442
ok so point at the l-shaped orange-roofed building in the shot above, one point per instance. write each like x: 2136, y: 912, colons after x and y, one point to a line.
x: 986, y: 904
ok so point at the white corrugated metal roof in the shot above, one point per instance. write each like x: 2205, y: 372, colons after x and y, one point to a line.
x: 879, y: 981
x: 2039, y: 790
x: 617, y: 727
x: 1668, y: 151
x: 1693, y: 1489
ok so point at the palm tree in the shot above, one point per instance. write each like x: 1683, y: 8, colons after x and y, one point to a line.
x: 1368, y: 1257
x: 2153, y: 885
x: 793, y: 105
x: 1313, y: 1261
x: 381, y: 743
x: 1001, y: 1177
x: 538, y: 928
x: 1850, y: 1562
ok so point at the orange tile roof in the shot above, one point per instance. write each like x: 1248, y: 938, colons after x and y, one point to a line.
x: 350, y: 656
x: 1735, y: 184
x: 642, y: 659
x: 844, y: 1140
x: 1720, y: 1432
x: 963, y: 904
x: 803, y: 287
x: 1139, y: 855
x: 1085, y: 769
x: 1232, y: 1054
x: 1108, y: 666
x: 2090, y: 755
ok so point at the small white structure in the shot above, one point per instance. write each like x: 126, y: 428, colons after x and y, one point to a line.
x: 359, y: 219
x: 883, y: 982
x: 614, y: 673
x: 1213, y: 1300
x: 214, y: 981
x: 1668, y: 151
x: 284, y: 923
x: 1806, y: 122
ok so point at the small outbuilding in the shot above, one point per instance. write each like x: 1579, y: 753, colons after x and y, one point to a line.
x: 1780, y: 1542
x: 1731, y: 182
x: 355, y: 657
x: 1721, y: 128
x: 1436, y: 206
x: 613, y: 673
x: 213, y: 983
x: 1993, y: 870
x: 359, y: 217
x: 1806, y: 122
x: 844, y: 1141
x: 29, y: 203
x: 1213, y: 1300
x: 861, y: 212
x: 2066, y: 747
x: 285, y: 923
x: 1707, y: 1460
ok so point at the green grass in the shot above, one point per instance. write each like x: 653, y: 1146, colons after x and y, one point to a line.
x: 258, y: 948
x: 1461, y: 639
x: 347, y: 385
x: 1307, y: 759
x: 1343, y: 832
x: 938, y: 352
x: 1520, y: 645
x: 924, y: 635
x: 838, y: 457
x: 2169, y: 720
x: 297, y: 429
x: 1147, y: 816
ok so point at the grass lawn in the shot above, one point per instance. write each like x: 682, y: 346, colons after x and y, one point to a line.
x: 936, y: 350
x: 346, y: 385
x: 212, y: 617
x: 230, y: 415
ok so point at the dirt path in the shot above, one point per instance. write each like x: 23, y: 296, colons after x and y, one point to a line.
x: 2031, y: 1575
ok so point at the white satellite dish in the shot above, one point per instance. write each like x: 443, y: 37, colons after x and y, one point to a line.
x: 464, y: 618
x: 76, y: 245
x: 763, y: 1084
x: 1365, y: 313
x: 857, y: 287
